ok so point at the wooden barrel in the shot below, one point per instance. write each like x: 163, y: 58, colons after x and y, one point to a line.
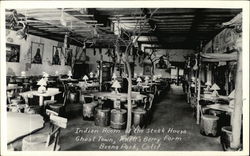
x: 88, y: 109
x: 34, y: 142
x: 139, y: 117
x: 208, y: 125
x: 118, y: 118
x: 102, y: 116
x: 226, y: 137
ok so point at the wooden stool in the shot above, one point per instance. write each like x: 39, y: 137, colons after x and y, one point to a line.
x: 34, y: 142
x: 88, y: 109
x: 56, y: 107
x: 208, y: 125
x: 133, y: 106
x: 49, y: 102
x: 118, y: 118
x: 102, y: 116
x: 139, y: 117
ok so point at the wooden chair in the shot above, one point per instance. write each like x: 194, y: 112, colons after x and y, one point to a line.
x: 58, y: 106
x: 46, y: 142
x: 148, y: 107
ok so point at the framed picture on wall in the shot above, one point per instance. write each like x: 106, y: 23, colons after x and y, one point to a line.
x: 56, y: 55
x: 68, y: 56
x: 147, y: 69
x: 12, y: 52
x: 37, y: 52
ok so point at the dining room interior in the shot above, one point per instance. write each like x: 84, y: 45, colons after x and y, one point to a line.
x: 124, y: 79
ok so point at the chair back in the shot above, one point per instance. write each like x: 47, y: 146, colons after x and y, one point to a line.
x: 65, y: 96
x: 155, y: 89
x: 149, y: 102
x: 87, y: 98
x: 200, y: 110
x: 57, y: 123
x: 65, y: 92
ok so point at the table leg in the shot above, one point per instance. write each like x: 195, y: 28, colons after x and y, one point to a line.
x: 52, y: 98
x: 40, y: 100
x: 231, y: 118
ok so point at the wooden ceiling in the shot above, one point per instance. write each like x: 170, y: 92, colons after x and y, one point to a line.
x: 173, y: 27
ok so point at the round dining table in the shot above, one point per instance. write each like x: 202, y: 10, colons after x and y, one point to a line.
x: 22, y: 124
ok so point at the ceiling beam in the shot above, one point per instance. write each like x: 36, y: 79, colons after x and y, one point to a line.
x: 80, y: 15
x: 153, y: 25
x: 100, y: 18
x: 173, y: 16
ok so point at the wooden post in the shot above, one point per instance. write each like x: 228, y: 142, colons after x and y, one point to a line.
x: 100, y: 73
x: 190, y: 82
x: 227, y: 79
x: 129, y: 114
x: 196, y: 85
x: 236, y: 123
x: 188, y: 89
x: 198, y: 98
x: 178, y: 69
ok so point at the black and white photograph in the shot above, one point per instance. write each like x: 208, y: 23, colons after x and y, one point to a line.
x: 177, y: 79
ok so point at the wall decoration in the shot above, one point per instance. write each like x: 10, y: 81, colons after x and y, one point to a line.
x: 12, y: 52
x: 223, y: 42
x: 56, y: 55
x: 37, y: 52
x: 68, y: 54
x: 147, y: 69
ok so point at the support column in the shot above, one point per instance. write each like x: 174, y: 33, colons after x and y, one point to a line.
x: 227, y: 79
x: 100, y: 73
x: 178, y: 69
x: 237, y: 112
